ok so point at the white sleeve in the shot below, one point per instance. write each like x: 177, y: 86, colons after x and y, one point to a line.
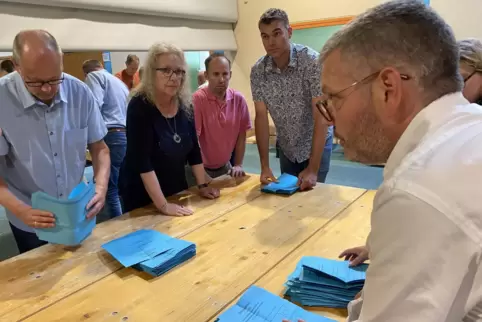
x: 422, y: 265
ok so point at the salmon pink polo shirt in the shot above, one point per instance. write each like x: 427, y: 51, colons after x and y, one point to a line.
x: 218, y: 124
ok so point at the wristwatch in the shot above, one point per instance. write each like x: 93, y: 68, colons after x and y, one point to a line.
x: 204, y: 185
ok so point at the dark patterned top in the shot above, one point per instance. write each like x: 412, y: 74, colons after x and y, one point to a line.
x: 287, y: 95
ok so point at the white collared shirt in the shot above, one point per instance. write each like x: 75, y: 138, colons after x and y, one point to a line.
x: 426, y: 236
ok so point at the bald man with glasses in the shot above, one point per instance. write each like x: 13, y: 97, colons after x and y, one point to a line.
x: 48, y: 119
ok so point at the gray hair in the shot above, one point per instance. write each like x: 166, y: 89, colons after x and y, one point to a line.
x: 471, y: 53
x: 147, y: 87
x: 46, y: 37
x: 406, y: 35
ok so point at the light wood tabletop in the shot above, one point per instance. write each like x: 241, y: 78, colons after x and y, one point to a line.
x: 243, y: 238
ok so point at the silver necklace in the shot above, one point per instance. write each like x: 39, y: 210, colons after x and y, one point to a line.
x: 176, y: 137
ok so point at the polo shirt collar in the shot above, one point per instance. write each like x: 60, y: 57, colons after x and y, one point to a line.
x: 271, y: 67
x: 28, y: 100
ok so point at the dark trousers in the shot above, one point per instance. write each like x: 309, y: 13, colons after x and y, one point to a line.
x: 117, y: 143
x: 295, y: 168
x: 26, y: 240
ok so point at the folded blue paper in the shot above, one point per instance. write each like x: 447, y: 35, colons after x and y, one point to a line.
x: 259, y: 305
x: 325, y: 282
x: 71, y: 224
x: 150, y: 251
x: 286, y: 185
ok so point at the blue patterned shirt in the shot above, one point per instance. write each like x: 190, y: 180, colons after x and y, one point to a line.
x: 43, y: 147
x: 287, y: 95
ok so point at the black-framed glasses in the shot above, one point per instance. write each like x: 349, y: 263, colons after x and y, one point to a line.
x: 51, y: 82
x: 466, y: 79
x: 326, y: 105
x: 168, y: 72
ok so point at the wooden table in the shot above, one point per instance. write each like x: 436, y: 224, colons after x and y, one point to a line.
x: 243, y: 238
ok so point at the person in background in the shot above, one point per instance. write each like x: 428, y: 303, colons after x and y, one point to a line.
x: 286, y: 82
x: 393, y: 89
x: 141, y: 72
x: 111, y: 94
x: 130, y: 75
x: 161, y: 137
x: 6, y: 67
x: 222, y: 119
x: 471, y: 69
x: 48, y: 119
x: 201, y: 80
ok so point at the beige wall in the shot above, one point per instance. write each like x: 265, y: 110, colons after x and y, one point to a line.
x: 247, y: 36
x: 463, y: 15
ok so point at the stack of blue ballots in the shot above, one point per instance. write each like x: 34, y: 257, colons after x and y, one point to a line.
x: 71, y: 224
x: 259, y: 305
x: 325, y: 282
x: 150, y: 251
x: 286, y: 185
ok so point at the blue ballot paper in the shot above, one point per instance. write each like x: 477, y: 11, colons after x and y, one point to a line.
x: 259, y: 305
x: 150, y: 251
x: 71, y: 224
x: 286, y: 185
x: 323, y: 282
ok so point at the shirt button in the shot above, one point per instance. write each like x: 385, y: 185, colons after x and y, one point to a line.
x: 58, y: 176
x: 51, y: 133
x: 55, y: 154
x: 61, y: 194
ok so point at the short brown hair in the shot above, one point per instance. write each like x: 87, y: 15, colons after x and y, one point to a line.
x: 274, y: 14
x: 131, y: 58
x: 91, y: 65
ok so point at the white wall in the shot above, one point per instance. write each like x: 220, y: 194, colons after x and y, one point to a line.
x: 5, y: 53
x: 463, y: 15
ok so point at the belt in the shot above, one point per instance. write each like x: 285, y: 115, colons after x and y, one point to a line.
x: 116, y: 129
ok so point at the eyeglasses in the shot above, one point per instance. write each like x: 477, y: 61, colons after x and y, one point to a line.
x: 167, y: 72
x: 466, y: 79
x: 51, y: 82
x: 326, y: 105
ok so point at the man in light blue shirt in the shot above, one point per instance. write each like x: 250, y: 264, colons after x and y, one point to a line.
x: 111, y: 94
x: 48, y: 119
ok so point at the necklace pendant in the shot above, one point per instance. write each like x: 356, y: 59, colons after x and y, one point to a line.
x: 176, y: 138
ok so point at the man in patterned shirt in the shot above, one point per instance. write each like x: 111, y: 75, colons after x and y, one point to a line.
x: 286, y: 82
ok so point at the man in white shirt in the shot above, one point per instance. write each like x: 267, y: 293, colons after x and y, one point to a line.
x: 392, y: 88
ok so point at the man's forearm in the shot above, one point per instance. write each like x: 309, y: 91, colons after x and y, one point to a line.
x: 199, y: 174
x: 240, y: 149
x: 317, y: 144
x: 8, y: 199
x: 261, y: 127
x: 101, y: 165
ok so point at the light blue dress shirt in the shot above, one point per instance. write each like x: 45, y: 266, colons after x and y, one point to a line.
x: 46, y: 145
x: 111, y: 93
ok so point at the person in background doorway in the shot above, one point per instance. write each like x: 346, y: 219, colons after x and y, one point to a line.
x: 6, y: 67
x: 222, y: 119
x: 286, y: 83
x: 201, y: 80
x: 393, y: 89
x: 161, y: 137
x: 471, y: 69
x: 111, y: 94
x: 48, y: 119
x: 130, y: 75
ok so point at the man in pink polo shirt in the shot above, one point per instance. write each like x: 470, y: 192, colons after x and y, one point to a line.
x: 222, y: 119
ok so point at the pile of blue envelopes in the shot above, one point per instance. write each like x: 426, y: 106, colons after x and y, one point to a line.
x: 325, y: 282
x: 259, y: 305
x: 150, y: 251
x: 71, y: 224
x: 286, y: 185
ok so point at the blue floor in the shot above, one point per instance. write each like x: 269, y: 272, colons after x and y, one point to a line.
x: 341, y: 172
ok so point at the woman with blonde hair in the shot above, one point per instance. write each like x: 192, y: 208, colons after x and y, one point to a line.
x: 471, y: 69
x: 161, y: 136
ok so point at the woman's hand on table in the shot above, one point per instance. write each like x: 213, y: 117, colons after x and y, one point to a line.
x: 356, y: 255
x: 171, y: 209
x: 209, y: 192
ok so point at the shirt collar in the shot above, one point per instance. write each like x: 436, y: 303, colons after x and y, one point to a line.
x: 28, y: 100
x: 212, y: 97
x: 270, y: 65
x: 425, y: 121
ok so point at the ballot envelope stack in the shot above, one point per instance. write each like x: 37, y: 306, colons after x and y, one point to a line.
x: 324, y: 282
x: 259, y: 305
x: 150, y: 251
